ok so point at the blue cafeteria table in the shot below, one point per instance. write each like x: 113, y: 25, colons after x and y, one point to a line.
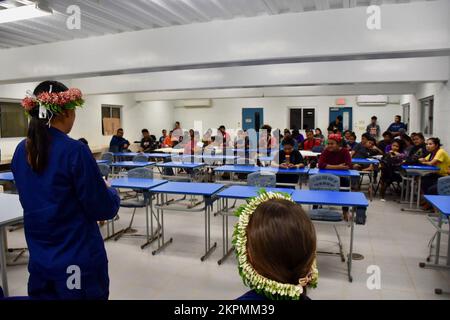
x: 146, y: 185
x: 193, y: 167
x: 367, y: 161
x: 206, y: 190
x: 414, y: 172
x: 442, y: 204
x: 6, y: 176
x: 335, y: 198
x: 130, y: 165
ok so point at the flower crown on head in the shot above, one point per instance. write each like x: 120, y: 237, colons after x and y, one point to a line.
x: 55, y: 102
x: 270, y: 288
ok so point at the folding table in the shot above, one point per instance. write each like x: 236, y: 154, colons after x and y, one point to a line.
x: 146, y: 185
x: 235, y: 169
x: 367, y: 161
x: 131, y: 164
x: 188, y: 166
x: 413, y: 172
x: 11, y: 213
x: 206, y: 190
x: 335, y: 198
x: 442, y: 204
x: 236, y: 193
x: 6, y: 176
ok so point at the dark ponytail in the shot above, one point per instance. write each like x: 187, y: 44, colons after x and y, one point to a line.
x: 38, y: 137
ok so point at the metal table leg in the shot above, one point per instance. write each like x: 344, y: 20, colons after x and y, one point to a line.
x: 350, y: 255
x: 208, y: 248
x: 160, y: 220
x: 3, y: 262
x: 226, y: 250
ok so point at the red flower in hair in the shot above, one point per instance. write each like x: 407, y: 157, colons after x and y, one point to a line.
x: 28, y: 103
x: 336, y: 137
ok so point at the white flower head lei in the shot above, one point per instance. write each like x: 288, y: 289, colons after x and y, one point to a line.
x: 270, y: 288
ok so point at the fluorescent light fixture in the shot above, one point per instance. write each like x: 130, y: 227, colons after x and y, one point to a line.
x: 23, y: 13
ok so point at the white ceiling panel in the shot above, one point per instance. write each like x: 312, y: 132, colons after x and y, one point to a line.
x: 101, y: 17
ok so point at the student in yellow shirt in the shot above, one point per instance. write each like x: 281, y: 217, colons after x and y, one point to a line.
x: 437, y: 157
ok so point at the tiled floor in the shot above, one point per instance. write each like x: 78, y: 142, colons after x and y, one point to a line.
x: 393, y: 240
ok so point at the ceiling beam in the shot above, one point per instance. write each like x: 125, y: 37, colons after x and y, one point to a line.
x: 252, y: 41
x: 317, y: 73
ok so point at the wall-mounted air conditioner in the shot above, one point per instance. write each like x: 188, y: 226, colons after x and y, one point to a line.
x: 372, y: 100
x: 198, y: 103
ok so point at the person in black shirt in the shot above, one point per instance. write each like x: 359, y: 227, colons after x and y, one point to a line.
x: 387, y: 140
x: 419, y: 149
x: 336, y: 125
x: 147, y: 142
x: 288, y: 158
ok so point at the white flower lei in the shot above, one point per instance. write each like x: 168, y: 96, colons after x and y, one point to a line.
x: 262, y: 285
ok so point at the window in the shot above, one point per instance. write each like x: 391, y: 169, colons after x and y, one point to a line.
x: 302, y: 119
x: 405, y: 116
x: 426, y: 116
x: 111, y: 119
x: 13, y: 121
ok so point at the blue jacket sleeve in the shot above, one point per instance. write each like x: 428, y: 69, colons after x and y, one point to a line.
x: 97, y: 200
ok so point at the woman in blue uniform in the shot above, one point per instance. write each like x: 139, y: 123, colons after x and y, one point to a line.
x: 63, y: 196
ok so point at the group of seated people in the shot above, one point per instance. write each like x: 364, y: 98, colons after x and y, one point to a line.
x: 394, y: 149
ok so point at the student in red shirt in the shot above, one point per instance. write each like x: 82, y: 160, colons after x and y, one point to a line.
x: 310, y: 141
x: 335, y: 157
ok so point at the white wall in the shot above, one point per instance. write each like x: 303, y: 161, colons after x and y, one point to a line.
x: 441, y: 94
x: 153, y: 115
x: 276, y: 112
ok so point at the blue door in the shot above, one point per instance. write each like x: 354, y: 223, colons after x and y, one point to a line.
x: 347, y: 116
x: 252, y: 118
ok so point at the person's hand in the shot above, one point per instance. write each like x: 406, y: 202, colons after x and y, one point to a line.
x: 290, y: 165
x: 108, y: 183
x: 283, y: 165
x: 301, y: 165
x: 421, y: 160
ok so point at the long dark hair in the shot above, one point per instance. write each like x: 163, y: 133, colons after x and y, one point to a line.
x: 281, y: 241
x: 38, y: 137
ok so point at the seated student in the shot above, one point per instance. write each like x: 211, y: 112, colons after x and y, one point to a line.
x: 368, y: 150
x: 226, y: 138
x: 335, y: 157
x: 287, y: 136
x: 351, y: 143
x: 147, y: 142
x: 310, y: 141
x: 318, y: 135
x: 276, y: 241
x: 407, y: 143
x: 359, y: 150
x: 347, y: 134
x: 390, y: 166
x: 437, y: 157
x: 239, y: 140
x: 288, y: 158
x: 163, y: 137
x: 384, y: 145
x: 118, y: 142
x: 167, y: 143
x: 266, y: 140
x: 419, y: 149
x: 296, y: 135
x: 207, y: 138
